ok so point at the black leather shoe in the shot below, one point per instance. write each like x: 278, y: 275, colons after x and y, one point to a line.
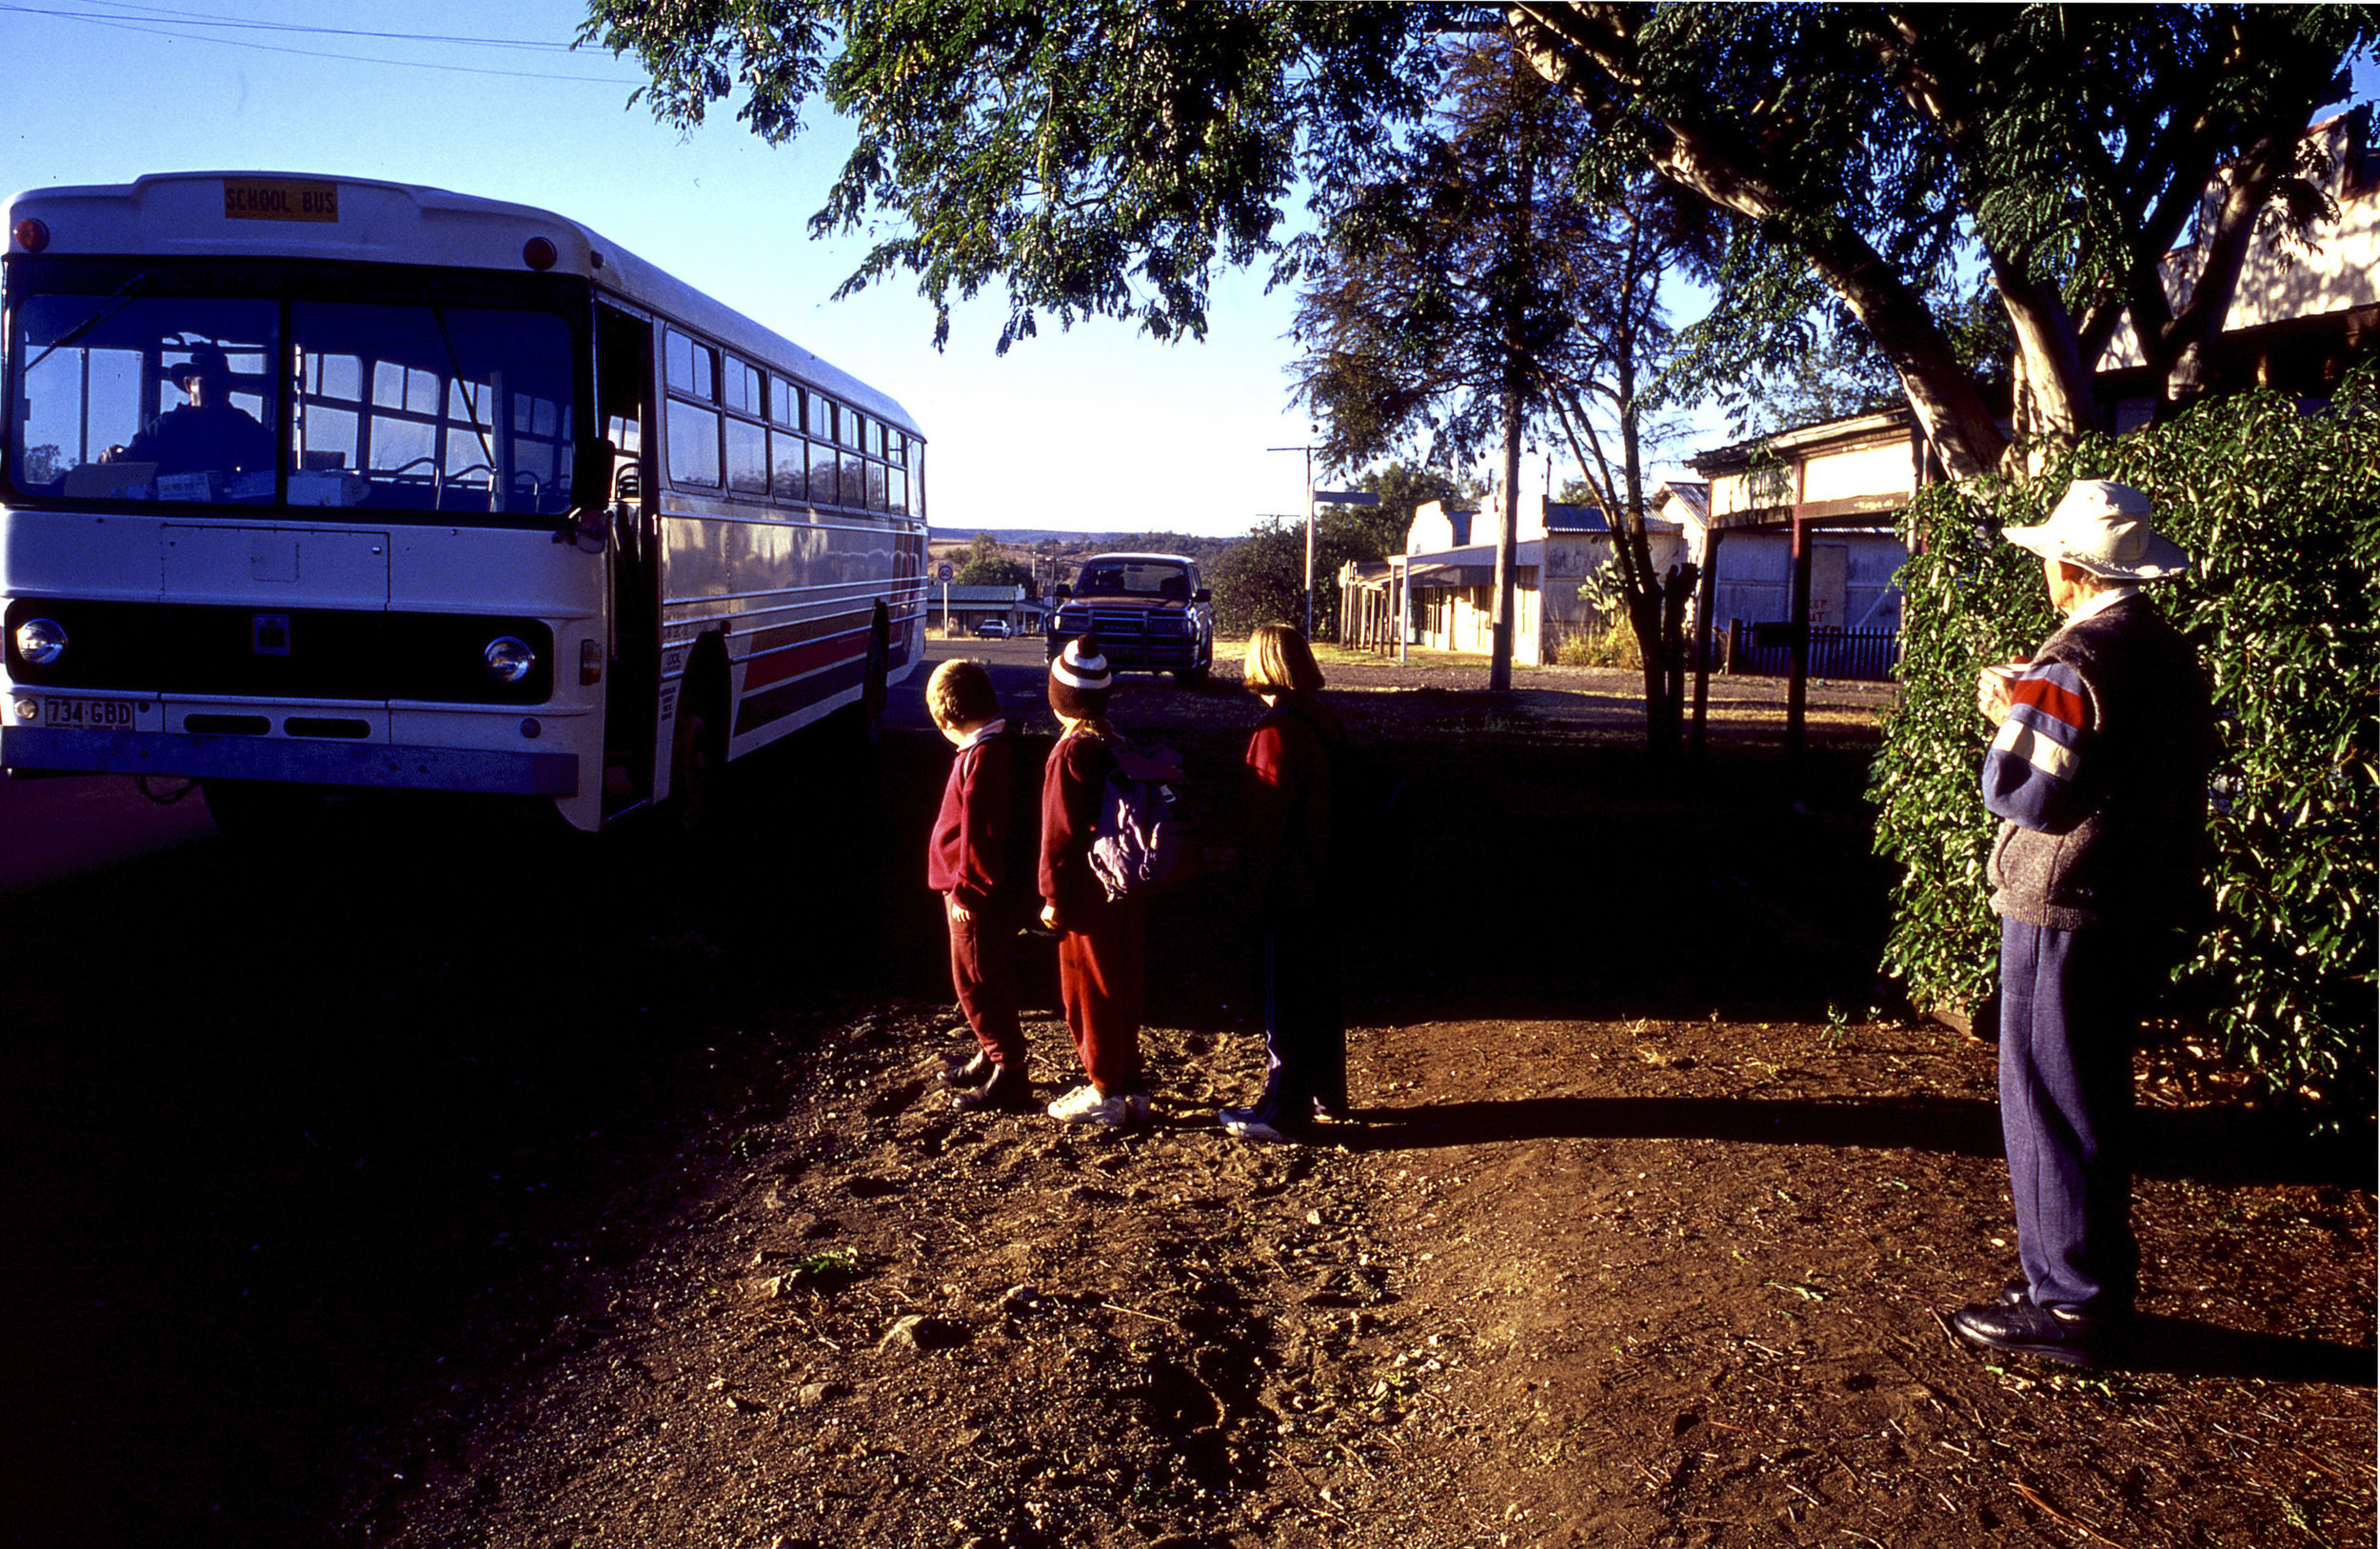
x: 974, y: 1072
x: 1008, y: 1090
x: 2024, y: 1329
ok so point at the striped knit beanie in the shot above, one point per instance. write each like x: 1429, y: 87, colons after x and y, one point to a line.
x: 1079, y: 680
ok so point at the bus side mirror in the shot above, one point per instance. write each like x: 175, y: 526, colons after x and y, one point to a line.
x: 589, y: 523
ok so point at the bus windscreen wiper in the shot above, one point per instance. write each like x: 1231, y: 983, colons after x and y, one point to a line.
x: 122, y: 298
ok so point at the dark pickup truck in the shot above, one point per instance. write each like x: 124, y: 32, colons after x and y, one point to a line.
x: 1150, y: 613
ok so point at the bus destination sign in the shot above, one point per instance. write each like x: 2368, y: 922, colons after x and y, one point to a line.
x: 252, y: 199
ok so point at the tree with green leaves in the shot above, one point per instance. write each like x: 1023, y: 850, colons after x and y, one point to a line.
x: 1492, y: 282
x: 1260, y: 578
x: 2280, y: 510
x: 1102, y: 157
x: 997, y: 571
x: 1097, y: 158
x: 2063, y: 151
x: 1401, y: 488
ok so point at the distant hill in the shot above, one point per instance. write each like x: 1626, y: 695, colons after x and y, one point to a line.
x: 1019, y: 535
x: 1065, y: 547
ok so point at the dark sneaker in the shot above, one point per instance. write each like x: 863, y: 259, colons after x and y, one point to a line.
x: 1006, y: 1090
x: 974, y: 1072
x: 2024, y: 1329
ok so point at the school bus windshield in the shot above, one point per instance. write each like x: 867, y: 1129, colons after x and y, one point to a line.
x: 392, y: 406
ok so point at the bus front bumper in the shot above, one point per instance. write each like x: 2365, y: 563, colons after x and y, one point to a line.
x: 376, y: 765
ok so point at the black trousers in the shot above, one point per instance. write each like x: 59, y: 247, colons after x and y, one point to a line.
x: 1305, y: 1042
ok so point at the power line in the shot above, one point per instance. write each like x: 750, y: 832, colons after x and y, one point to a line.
x: 156, y: 22
x: 192, y: 18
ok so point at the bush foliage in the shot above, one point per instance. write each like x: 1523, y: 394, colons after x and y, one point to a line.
x: 2281, y: 510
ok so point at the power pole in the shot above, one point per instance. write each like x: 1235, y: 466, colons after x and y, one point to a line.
x: 1309, y: 579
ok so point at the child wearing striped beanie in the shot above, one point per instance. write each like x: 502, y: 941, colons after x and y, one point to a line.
x: 1102, y: 942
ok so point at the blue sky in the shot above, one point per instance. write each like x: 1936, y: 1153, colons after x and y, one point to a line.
x: 1096, y: 428
x: 1099, y: 428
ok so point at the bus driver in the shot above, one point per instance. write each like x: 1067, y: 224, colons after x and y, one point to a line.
x: 210, y: 434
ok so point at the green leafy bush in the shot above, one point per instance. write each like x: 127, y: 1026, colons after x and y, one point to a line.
x: 2281, y: 510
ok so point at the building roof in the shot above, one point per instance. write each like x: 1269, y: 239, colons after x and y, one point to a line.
x: 1694, y: 494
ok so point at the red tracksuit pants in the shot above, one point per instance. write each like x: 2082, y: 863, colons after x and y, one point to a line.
x: 1099, y: 969
x: 984, y: 971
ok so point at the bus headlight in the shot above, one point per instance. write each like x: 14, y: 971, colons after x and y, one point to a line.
x: 509, y: 659
x: 41, y: 642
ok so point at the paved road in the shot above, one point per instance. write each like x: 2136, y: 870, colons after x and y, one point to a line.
x: 1020, y: 672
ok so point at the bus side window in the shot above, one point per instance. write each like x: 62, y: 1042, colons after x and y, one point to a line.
x: 692, y: 431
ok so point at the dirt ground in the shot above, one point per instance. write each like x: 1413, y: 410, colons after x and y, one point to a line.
x: 642, y: 1219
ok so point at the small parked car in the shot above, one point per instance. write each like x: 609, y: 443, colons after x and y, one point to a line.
x: 993, y: 630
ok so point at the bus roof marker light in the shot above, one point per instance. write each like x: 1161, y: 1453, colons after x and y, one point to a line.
x: 31, y: 235
x: 539, y: 253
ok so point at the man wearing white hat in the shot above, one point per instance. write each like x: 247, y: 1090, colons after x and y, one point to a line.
x: 2098, y: 773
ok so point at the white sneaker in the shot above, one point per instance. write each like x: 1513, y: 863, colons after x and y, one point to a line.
x: 1086, y: 1105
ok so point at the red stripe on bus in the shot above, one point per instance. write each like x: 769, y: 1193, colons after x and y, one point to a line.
x: 779, y: 665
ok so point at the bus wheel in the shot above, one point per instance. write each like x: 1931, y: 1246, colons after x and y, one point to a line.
x: 866, y: 717
x: 698, y: 763
x: 877, y: 693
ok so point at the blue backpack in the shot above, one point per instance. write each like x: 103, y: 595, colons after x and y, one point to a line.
x: 1143, y: 843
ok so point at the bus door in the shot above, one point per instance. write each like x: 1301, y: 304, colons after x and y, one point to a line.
x: 624, y: 385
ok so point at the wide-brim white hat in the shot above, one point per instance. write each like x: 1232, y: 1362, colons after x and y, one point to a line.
x: 2103, y: 527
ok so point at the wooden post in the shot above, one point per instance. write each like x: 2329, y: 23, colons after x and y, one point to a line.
x: 1706, y: 601
x: 1797, y: 683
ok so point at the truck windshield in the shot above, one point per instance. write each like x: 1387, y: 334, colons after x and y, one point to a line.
x: 398, y: 406
x: 1127, y: 578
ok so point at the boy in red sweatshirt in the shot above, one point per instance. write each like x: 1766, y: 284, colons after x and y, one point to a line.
x: 972, y: 862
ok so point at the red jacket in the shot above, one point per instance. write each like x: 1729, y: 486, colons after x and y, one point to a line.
x: 1289, y: 761
x: 968, y: 856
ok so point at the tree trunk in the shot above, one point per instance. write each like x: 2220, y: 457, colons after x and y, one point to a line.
x: 1646, y: 605
x: 2056, y: 404
x: 1507, y: 547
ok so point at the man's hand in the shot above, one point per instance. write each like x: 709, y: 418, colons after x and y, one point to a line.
x: 959, y: 911
x: 1049, y: 917
x: 1993, y: 686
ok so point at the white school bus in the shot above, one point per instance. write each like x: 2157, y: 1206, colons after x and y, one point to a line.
x: 318, y: 483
